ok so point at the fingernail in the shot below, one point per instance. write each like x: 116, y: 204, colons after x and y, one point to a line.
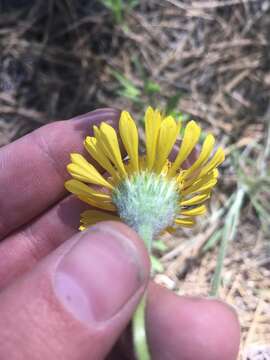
x: 99, y: 275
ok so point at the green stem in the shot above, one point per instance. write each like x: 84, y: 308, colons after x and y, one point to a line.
x: 139, y: 333
x: 146, y: 233
x: 138, y: 324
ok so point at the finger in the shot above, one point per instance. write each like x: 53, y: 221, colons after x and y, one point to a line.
x: 190, y: 328
x: 33, y: 168
x: 185, y: 328
x: 76, y: 302
x: 178, y: 301
x: 25, y: 247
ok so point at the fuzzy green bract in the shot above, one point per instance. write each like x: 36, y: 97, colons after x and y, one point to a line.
x: 147, y: 201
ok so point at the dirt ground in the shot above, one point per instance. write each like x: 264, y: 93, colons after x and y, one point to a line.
x: 208, y: 60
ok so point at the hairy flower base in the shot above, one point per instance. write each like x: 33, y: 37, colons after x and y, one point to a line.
x: 147, y: 200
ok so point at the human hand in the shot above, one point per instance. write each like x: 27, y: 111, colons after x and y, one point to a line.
x: 69, y: 295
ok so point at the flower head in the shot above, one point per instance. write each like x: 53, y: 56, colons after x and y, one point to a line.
x: 145, y: 190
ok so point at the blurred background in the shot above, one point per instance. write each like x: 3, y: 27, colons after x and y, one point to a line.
x: 202, y: 60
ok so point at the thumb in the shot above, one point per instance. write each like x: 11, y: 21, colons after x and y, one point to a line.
x: 76, y: 302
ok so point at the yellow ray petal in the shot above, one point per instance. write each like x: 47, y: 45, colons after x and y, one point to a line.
x: 79, y: 188
x: 109, y: 140
x: 81, y: 169
x: 91, y: 217
x: 216, y: 160
x: 190, y: 139
x: 89, y: 195
x: 102, y: 149
x: 92, y: 145
x: 197, y: 199
x: 129, y: 135
x: 202, y: 185
x: 199, y: 210
x: 98, y: 204
x: 100, y: 143
x: 192, y: 180
x: 206, y: 151
x: 169, y: 129
x: 210, y: 175
x: 186, y: 222
x: 152, y: 126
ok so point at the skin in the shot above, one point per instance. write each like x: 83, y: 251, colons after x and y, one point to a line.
x: 69, y: 295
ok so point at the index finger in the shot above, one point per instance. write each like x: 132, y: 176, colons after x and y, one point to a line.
x: 33, y: 168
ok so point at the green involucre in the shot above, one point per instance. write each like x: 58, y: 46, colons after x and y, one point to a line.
x: 147, y: 200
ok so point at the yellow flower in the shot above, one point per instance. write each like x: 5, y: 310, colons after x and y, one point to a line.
x: 136, y: 184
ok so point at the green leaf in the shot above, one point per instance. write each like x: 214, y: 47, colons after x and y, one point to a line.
x: 156, y: 264
x: 159, y: 245
x: 128, y: 90
x: 152, y: 87
x: 172, y: 103
x: 212, y: 241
